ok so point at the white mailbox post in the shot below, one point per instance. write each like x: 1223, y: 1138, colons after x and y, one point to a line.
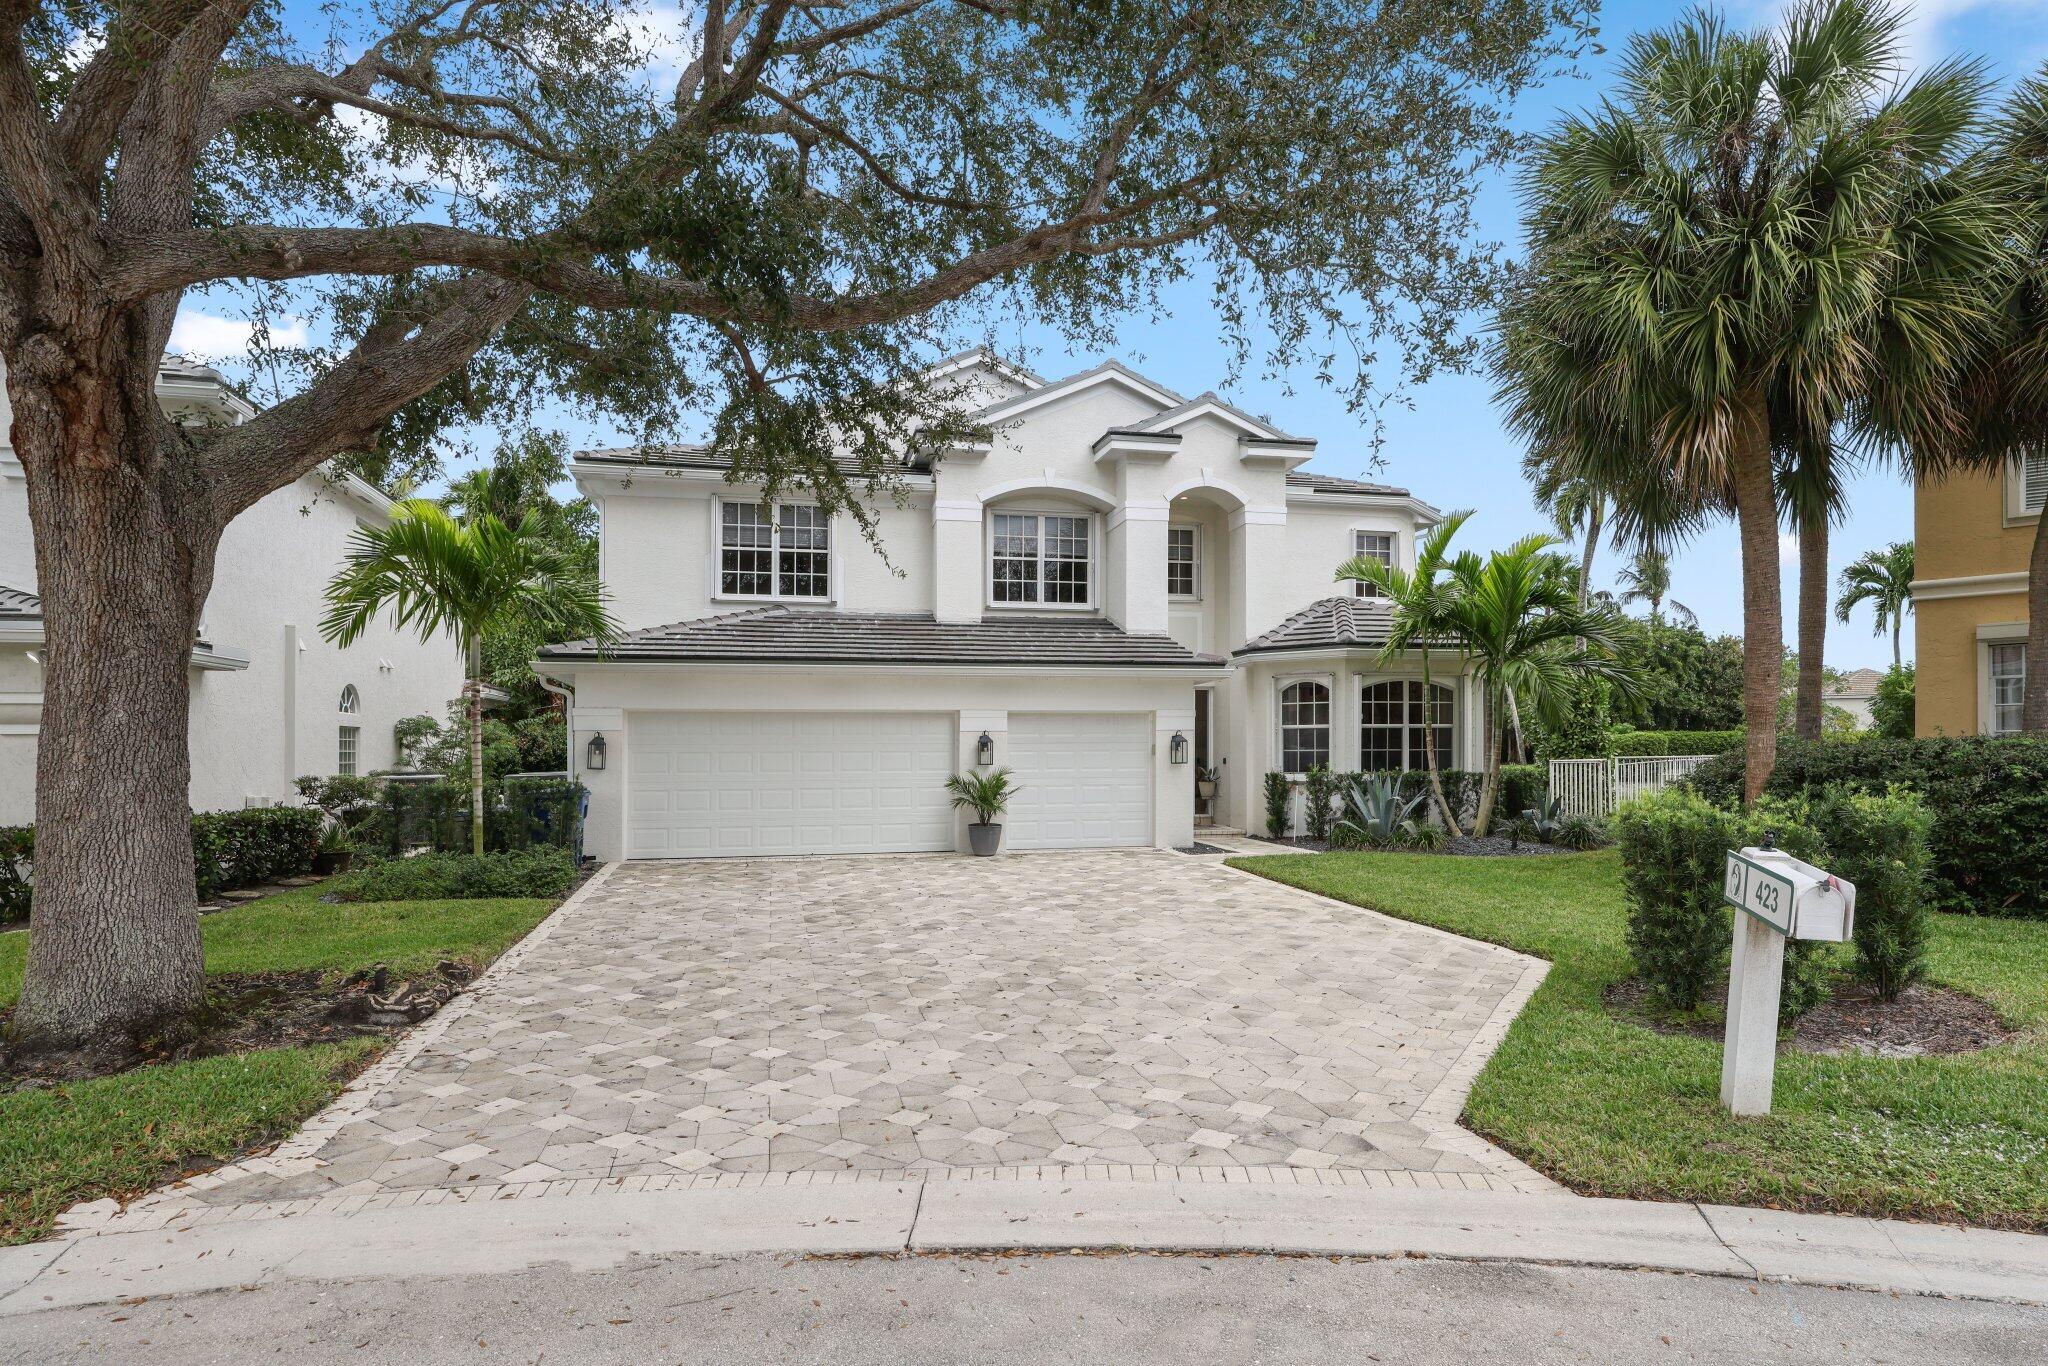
x: 1775, y: 896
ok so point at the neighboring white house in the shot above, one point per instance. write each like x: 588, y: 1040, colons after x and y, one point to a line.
x: 1853, y: 692
x: 270, y: 699
x: 1119, y: 586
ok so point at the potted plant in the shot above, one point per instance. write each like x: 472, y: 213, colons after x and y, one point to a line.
x: 987, y: 794
x: 335, y: 851
x: 1206, y: 779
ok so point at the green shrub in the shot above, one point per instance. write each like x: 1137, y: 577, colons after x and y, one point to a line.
x: 1318, y: 795
x: 1652, y: 743
x: 1674, y: 848
x: 446, y: 877
x: 1522, y: 786
x: 1879, y: 842
x: 17, y: 864
x: 1381, y: 812
x: 1580, y: 730
x: 1989, y: 797
x: 1278, y: 794
x: 233, y: 849
x: 1578, y: 832
x: 1892, y: 710
x: 1461, y: 790
x: 519, y: 813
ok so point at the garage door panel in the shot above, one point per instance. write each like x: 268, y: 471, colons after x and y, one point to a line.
x: 1085, y: 780
x: 706, y: 784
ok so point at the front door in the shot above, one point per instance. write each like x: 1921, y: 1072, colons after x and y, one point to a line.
x: 1202, y: 748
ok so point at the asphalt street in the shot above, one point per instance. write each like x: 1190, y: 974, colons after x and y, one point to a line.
x: 1121, y: 1309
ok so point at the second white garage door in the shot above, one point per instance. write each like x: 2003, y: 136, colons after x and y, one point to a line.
x: 738, y: 783
x: 1086, y: 780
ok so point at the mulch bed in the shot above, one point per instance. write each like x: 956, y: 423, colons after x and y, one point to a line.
x: 1924, y: 1021
x: 1199, y: 848
x: 249, y: 1011
x: 1458, y: 846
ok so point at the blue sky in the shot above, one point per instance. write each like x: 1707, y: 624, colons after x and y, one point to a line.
x: 1447, y: 443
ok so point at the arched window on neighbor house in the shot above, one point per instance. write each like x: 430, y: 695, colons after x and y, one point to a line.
x: 351, y: 700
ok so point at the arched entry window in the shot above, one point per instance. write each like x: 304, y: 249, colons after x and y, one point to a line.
x: 351, y: 701
x: 1392, y: 726
x: 1304, y: 726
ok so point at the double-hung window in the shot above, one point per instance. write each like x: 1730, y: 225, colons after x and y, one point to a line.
x: 347, y: 747
x: 1039, y: 559
x: 1394, y: 724
x: 1182, y: 566
x: 2026, y: 484
x: 1371, y: 545
x: 784, y: 555
x: 2008, y: 686
x: 1304, y: 726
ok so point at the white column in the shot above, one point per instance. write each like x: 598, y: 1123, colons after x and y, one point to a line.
x: 1137, y: 581
x: 957, y: 567
x: 1258, y: 550
x: 1173, y: 808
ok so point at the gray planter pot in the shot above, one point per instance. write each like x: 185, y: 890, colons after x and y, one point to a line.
x: 983, y: 839
x: 1205, y: 790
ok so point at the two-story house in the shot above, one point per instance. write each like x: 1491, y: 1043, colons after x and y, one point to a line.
x: 1117, y: 588
x: 1972, y: 536
x: 270, y: 700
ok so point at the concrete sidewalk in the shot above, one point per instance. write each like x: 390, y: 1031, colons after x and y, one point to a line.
x: 611, y: 1230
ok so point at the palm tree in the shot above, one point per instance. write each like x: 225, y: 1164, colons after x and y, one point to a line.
x: 1520, y: 625
x: 1884, y: 579
x: 1575, y: 502
x: 438, y: 575
x: 1421, y: 601
x: 1647, y: 578
x: 1711, y: 255
x: 1811, y: 476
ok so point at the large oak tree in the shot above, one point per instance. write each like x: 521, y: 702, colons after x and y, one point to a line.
x: 478, y: 205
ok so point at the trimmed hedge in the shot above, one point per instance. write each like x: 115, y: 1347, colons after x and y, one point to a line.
x: 1989, y: 796
x: 230, y: 850
x: 1523, y: 786
x: 448, y: 877
x: 519, y: 813
x: 1653, y: 743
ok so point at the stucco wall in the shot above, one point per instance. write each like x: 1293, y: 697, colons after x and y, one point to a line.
x: 1970, y: 559
x: 1948, y: 654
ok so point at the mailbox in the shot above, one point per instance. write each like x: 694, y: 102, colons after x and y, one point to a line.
x: 1792, y: 897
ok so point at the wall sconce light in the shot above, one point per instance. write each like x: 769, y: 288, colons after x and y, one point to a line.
x: 593, y: 754
x: 984, y: 751
x: 1177, y: 748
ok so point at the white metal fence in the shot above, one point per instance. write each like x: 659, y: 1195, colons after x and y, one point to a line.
x: 1594, y: 787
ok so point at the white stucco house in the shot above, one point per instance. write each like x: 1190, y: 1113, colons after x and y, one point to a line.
x: 1116, y: 587
x: 270, y: 699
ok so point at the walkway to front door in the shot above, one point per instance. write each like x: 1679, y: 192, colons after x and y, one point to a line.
x: 1132, y: 1013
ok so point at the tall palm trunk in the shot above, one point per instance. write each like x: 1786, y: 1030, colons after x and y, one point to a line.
x: 1489, y: 780
x: 1594, y: 517
x: 1813, y: 626
x: 1436, y: 782
x: 2034, y: 707
x: 1515, y: 720
x: 475, y: 688
x: 1898, y: 621
x: 1763, y: 623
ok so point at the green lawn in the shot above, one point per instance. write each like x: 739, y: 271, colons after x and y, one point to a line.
x: 1611, y: 1108
x: 120, y: 1135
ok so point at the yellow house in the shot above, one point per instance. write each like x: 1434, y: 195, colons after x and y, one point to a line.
x: 1972, y: 536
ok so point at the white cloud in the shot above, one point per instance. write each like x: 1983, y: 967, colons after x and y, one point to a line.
x: 203, y: 336
x: 1788, y: 550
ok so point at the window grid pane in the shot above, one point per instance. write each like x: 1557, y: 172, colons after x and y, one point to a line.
x: 1393, y: 725
x: 804, y: 558
x: 1375, y: 545
x: 345, y: 758
x: 1066, y: 559
x: 1015, y: 574
x: 2008, y: 687
x: 746, y: 551
x: 1304, y: 727
x: 1180, y: 561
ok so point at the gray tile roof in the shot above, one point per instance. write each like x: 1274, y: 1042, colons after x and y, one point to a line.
x: 1330, y: 623
x: 693, y: 457
x: 16, y: 605
x: 1173, y: 415
x: 1330, y: 483
x: 819, y: 635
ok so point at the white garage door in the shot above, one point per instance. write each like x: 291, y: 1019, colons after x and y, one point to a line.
x: 1086, y: 780
x: 707, y: 784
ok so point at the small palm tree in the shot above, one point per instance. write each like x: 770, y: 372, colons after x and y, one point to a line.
x: 1884, y: 579
x: 1647, y: 578
x: 1520, y: 624
x: 440, y: 576
x: 1421, y: 602
x: 986, y: 794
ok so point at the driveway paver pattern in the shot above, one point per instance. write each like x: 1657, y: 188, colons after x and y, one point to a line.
x: 904, y: 1015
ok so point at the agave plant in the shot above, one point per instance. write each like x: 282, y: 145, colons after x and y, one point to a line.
x: 1544, y: 822
x: 1376, y: 815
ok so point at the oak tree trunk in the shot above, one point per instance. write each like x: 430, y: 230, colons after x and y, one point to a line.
x: 1809, y: 701
x: 2034, y: 707
x: 1763, y: 626
x: 124, y: 554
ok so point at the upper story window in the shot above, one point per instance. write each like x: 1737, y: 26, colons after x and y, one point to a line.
x: 788, y: 555
x: 1182, y: 564
x: 347, y: 745
x: 1372, y: 545
x: 2008, y: 687
x: 1304, y: 726
x: 1394, y: 724
x: 351, y: 700
x: 1040, y: 558
x: 2026, y: 484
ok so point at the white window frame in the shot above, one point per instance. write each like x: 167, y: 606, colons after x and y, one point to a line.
x: 351, y: 703
x: 2018, y: 507
x: 1194, y: 533
x: 348, y: 751
x: 1989, y: 640
x: 1407, y: 727
x: 1281, y: 684
x: 1088, y: 517
x: 775, y: 548
x: 1359, y: 587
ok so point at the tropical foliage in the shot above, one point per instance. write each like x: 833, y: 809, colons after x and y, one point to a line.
x: 1884, y: 579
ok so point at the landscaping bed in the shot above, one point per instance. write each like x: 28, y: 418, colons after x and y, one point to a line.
x: 1457, y: 846
x: 1854, y: 1019
x: 295, y: 1010
x: 1608, y: 1106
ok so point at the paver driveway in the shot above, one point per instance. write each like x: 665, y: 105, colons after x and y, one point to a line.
x: 1126, y: 1011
